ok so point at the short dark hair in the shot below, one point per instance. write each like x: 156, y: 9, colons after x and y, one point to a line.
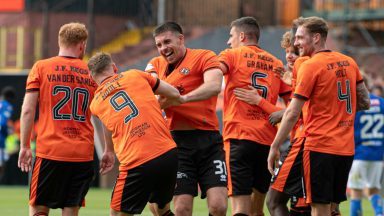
x: 248, y: 25
x: 99, y: 62
x: 314, y: 25
x: 168, y: 26
x: 8, y: 93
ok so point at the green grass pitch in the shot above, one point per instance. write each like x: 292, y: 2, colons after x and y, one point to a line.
x: 14, y: 201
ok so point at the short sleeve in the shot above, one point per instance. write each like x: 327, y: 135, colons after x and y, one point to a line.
x: 227, y: 58
x: 209, y: 60
x: 153, y: 82
x: 33, y: 80
x: 152, y: 66
x: 306, y: 79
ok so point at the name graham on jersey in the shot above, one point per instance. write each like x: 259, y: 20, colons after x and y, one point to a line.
x: 259, y: 65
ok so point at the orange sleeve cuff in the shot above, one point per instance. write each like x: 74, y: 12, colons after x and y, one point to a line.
x: 267, y: 107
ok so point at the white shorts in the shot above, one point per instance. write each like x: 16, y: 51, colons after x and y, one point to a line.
x: 365, y: 174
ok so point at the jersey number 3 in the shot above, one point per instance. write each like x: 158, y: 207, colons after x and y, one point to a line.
x: 120, y: 100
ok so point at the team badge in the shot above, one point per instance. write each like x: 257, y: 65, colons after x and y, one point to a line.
x: 149, y: 67
x: 184, y: 71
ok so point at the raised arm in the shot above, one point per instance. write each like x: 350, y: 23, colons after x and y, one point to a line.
x: 167, y: 90
x: 168, y: 95
x: 211, y: 86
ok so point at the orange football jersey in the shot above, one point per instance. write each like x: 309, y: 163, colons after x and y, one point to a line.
x: 328, y: 81
x: 186, y: 77
x: 250, y: 65
x: 64, y: 130
x: 127, y: 106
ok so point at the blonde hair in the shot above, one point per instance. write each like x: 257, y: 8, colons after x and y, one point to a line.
x: 99, y: 62
x: 286, y: 40
x: 71, y: 34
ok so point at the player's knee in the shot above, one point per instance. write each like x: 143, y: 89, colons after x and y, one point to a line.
x: 218, y: 209
x: 183, y: 210
x: 271, y: 203
x: 114, y: 213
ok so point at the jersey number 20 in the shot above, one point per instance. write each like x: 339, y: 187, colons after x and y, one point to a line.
x: 76, y: 102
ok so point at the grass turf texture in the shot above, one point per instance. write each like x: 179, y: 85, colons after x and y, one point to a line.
x: 14, y: 201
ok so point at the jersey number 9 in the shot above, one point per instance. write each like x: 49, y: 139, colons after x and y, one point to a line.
x: 120, y: 100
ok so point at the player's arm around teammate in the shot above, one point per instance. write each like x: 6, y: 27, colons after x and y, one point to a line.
x: 247, y: 132
x: 193, y: 124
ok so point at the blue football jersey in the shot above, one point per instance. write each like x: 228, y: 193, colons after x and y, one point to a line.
x: 369, y: 131
x: 6, y: 111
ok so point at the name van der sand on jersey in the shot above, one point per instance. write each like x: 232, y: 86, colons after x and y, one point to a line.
x: 69, y: 78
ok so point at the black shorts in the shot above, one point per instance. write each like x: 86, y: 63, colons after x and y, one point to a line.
x: 153, y: 181
x: 288, y: 176
x: 248, y: 167
x: 59, y: 184
x: 201, y: 161
x: 326, y: 177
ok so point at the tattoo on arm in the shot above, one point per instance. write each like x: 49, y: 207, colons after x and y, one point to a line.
x: 363, y: 101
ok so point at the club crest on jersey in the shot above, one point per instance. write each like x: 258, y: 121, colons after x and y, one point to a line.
x: 184, y: 71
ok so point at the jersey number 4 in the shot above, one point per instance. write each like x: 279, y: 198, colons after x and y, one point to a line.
x: 75, y: 96
x: 120, y: 100
x: 345, y: 96
x: 258, y: 86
